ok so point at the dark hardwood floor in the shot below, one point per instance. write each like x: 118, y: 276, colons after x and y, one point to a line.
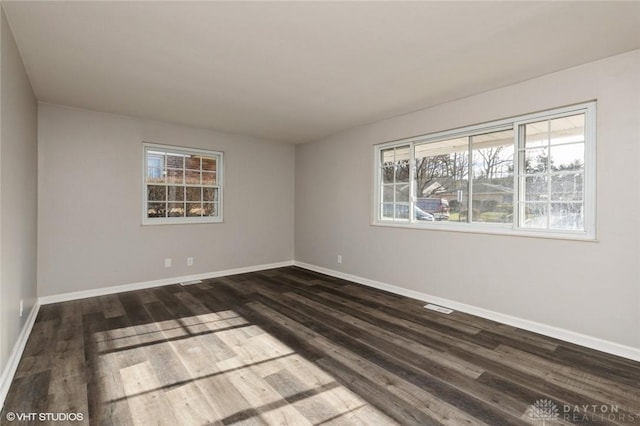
x: 290, y: 346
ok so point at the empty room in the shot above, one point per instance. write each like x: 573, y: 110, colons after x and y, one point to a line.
x: 319, y: 213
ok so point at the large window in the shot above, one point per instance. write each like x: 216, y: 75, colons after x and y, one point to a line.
x: 181, y: 185
x: 531, y: 175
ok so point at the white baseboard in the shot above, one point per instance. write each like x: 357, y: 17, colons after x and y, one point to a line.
x: 536, y: 327
x: 64, y: 297
x: 12, y: 363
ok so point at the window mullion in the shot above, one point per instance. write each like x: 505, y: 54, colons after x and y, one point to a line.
x: 395, y: 184
x: 519, y: 181
x: 412, y: 183
x: 548, y: 174
x: 469, y: 181
x: 589, y: 172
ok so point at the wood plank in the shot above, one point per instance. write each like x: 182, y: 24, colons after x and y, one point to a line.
x: 146, y: 398
x: 190, y: 405
x: 111, y: 306
x: 268, y: 403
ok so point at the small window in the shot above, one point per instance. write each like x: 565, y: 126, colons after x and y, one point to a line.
x: 181, y: 185
x: 530, y: 175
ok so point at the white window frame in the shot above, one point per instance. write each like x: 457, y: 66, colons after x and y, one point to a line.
x: 514, y: 228
x: 219, y: 155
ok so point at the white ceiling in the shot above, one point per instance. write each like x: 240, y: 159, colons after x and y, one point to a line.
x: 299, y: 71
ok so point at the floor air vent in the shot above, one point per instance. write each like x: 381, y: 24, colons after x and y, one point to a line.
x: 437, y: 308
x: 191, y: 282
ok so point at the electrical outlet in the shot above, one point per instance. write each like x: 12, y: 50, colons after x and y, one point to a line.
x: 21, y: 306
x: 189, y: 261
x: 167, y: 262
x: 339, y: 258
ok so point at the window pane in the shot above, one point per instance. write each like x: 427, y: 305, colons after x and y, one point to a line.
x: 402, y: 193
x: 567, y: 187
x: 192, y: 177
x: 402, y: 211
x: 155, y: 175
x: 535, y: 215
x: 402, y: 158
x: 175, y: 161
x: 398, y: 211
x: 442, y: 170
x: 194, y: 193
x: 387, y: 211
x: 155, y: 167
x: 209, y: 164
x: 403, y: 154
x: 194, y: 209
x: 176, y: 209
x: 176, y: 193
x: 210, y: 209
x: 492, y: 177
x: 210, y: 194
x: 156, y: 210
x: 536, y: 160
x: 208, y: 178
x: 387, y: 174
x: 387, y: 156
x: 566, y: 216
x: 191, y: 162
x: 567, y: 157
x: 387, y: 193
x: 156, y: 193
x: 536, y: 134
x: 567, y: 129
x: 402, y: 173
x: 175, y: 176
x: 536, y: 188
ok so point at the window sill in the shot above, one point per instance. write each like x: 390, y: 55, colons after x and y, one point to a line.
x: 181, y: 221
x: 491, y: 229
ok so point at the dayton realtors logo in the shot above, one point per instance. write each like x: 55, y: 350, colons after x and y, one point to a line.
x: 547, y: 412
x: 543, y: 410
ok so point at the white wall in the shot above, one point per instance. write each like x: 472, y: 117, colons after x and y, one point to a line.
x: 585, y: 287
x: 18, y: 201
x: 90, y: 203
